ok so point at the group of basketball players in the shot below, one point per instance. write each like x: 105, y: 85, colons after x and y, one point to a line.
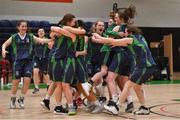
x: 74, y: 59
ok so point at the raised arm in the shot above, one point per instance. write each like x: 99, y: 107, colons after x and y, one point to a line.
x: 112, y: 41
x: 41, y: 40
x: 63, y: 32
x: 98, y: 39
x: 75, y: 30
x: 121, y: 42
x: 6, y: 44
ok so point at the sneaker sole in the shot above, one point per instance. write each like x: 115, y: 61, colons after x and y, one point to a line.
x: 43, y: 105
x: 12, y: 107
x: 142, y: 114
x: 57, y: 113
x: 71, y: 113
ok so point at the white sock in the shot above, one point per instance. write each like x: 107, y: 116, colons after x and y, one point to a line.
x: 115, y: 98
x: 37, y: 86
x: 70, y: 105
x: 58, y: 104
x: 129, y: 99
x: 47, y: 97
x: 118, y: 103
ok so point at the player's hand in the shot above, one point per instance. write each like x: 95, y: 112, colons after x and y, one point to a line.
x: 4, y: 53
x: 77, y: 54
x: 73, y: 37
x: 121, y: 34
x: 52, y: 35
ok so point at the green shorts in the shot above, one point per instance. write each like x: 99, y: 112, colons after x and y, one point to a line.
x: 81, y: 70
x: 56, y: 70
x: 69, y: 70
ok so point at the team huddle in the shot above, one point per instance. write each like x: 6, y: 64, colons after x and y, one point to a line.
x: 74, y: 62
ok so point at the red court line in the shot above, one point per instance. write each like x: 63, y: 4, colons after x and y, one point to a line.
x: 165, y: 115
x: 165, y: 111
x: 63, y: 1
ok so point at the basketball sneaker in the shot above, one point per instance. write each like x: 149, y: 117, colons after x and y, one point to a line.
x: 35, y: 91
x: 112, y: 108
x: 13, y: 103
x: 21, y: 102
x: 142, y: 111
x: 59, y: 110
x: 90, y: 107
x: 72, y: 111
x: 45, y: 104
x: 130, y: 107
x: 98, y: 108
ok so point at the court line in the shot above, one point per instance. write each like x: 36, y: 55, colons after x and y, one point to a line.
x: 120, y: 116
x: 161, y: 113
x: 164, y: 110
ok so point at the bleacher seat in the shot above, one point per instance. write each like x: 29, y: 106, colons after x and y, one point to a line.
x: 13, y: 23
x: 33, y: 24
x: 5, y: 23
x: 88, y: 25
x: 45, y: 24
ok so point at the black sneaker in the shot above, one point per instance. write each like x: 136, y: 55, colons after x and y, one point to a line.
x: 102, y: 99
x: 130, y: 107
x: 110, y: 102
x: 21, y: 102
x: 142, y: 111
x: 35, y: 91
x: 13, y: 103
x: 45, y: 104
x: 59, y: 110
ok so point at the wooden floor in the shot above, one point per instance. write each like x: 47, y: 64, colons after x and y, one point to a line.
x: 159, y: 98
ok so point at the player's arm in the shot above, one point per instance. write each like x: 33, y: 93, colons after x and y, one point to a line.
x: 6, y: 44
x: 121, y: 42
x: 63, y: 32
x: 76, y: 31
x: 41, y: 40
x: 112, y: 41
x: 98, y: 39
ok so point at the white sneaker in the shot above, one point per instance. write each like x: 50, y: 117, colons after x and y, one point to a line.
x: 90, y: 107
x: 98, y: 109
x: 113, y: 108
x: 142, y: 111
